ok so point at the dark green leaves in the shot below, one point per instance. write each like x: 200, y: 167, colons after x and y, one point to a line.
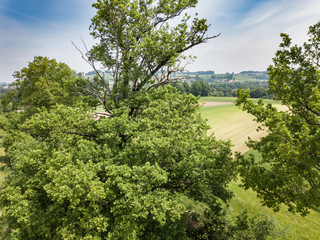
x: 289, y: 171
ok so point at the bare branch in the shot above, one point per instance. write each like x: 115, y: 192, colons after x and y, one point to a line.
x: 93, y: 90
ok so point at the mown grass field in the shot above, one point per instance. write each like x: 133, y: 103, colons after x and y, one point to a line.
x: 229, y: 122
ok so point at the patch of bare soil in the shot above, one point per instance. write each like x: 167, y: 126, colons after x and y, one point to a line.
x: 207, y: 104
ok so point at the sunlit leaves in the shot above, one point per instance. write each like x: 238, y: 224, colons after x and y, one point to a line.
x: 142, y: 43
x: 42, y: 84
x: 126, y: 176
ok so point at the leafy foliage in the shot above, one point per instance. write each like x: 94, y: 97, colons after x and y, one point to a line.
x: 200, y: 88
x: 156, y: 175
x: 44, y: 83
x: 289, y: 171
x: 148, y: 171
x: 140, y: 44
x: 259, y: 227
x: 218, y: 89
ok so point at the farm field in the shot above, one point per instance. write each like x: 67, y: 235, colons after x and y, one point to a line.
x: 229, y: 122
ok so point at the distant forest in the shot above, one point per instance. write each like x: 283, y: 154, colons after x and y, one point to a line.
x: 208, y: 83
x: 223, y: 85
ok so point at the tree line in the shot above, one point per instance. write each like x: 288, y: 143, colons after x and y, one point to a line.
x: 258, y: 89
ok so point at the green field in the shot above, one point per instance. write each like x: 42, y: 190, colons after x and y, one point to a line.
x: 239, y: 77
x: 229, y: 122
x: 218, y: 99
x: 232, y: 99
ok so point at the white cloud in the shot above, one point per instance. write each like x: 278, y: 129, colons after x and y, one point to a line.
x: 260, y: 15
x: 20, y: 42
x: 248, y: 40
x: 250, y: 43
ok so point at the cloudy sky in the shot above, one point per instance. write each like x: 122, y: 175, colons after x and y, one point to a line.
x: 249, y: 30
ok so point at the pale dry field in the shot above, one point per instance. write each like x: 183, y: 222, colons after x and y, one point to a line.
x: 208, y: 104
x: 228, y: 122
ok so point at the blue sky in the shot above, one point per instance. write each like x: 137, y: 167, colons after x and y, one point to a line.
x: 249, y: 30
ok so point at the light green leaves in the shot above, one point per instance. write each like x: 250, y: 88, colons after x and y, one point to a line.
x: 126, y: 176
x: 42, y: 84
x: 140, y: 45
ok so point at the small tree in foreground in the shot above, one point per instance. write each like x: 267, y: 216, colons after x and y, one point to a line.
x: 289, y: 171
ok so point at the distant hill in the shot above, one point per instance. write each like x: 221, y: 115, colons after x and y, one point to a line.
x: 211, y: 76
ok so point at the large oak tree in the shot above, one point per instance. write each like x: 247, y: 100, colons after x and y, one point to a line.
x: 141, y: 42
x: 155, y: 176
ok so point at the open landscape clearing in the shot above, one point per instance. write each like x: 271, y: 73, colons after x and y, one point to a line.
x: 229, y: 122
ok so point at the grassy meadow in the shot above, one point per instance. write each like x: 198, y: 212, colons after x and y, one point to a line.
x: 229, y: 122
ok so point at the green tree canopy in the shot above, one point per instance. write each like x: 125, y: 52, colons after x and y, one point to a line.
x: 200, y: 88
x: 44, y: 83
x: 289, y: 171
x: 140, y: 44
x: 155, y: 176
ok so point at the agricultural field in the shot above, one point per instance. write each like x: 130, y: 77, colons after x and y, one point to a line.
x: 229, y: 122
